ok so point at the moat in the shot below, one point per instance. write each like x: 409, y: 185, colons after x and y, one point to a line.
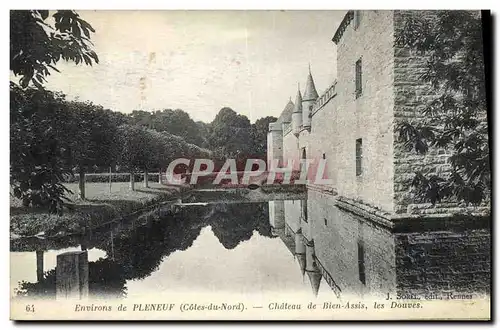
x: 301, y: 247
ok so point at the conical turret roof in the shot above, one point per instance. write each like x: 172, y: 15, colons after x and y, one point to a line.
x: 298, y: 102
x: 286, y: 114
x: 301, y: 258
x: 315, y: 280
x: 310, y: 93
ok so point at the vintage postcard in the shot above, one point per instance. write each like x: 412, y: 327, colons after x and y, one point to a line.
x: 250, y: 165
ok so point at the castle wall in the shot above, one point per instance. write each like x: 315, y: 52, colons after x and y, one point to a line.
x: 274, y: 146
x: 290, y: 149
x: 431, y: 262
x: 337, y: 235
x: 277, y: 214
x: 411, y: 95
x: 392, y: 92
x: 324, y: 139
x: 292, y: 215
x: 369, y: 117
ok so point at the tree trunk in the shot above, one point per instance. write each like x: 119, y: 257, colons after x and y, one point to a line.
x: 81, y: 183
x: 132, y: 181
x: 146, y: 179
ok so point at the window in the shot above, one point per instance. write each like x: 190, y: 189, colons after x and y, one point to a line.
x: 359, y: 157
x: 359, y: 81
x: 357, y: 19
x: 361, y: 262
x: 303, y: 206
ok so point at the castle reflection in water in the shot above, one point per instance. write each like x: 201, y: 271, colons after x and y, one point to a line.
x: 355, y: 256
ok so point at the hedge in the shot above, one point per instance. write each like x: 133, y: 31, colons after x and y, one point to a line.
x: 115, y: 177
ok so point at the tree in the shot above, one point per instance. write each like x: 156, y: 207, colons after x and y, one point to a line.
x: 39, y: 147
x: 203, y: 131
x: 452, y: 43
x: 259, y: 135
x: 173, y: 147
x: 140, y: 117
x: 134, y: 145
x: 39, y: 151
x: 94, y: 138
x: 36, y: 46
x: 176, y: 122
x: 230, y: 134
x: 140, y: 249
x: 235, y: 223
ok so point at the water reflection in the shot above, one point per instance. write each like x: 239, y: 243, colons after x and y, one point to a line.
x: 136, y: 250
x: 356, y: 256
x: 348, y: 254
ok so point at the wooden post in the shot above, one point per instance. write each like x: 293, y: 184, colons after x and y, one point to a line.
x: 81, y: 183
x: 132, y: 180
x: 110, y: 179
x: 72, y: 275
x: 146, y: 182
x: 39, y: 266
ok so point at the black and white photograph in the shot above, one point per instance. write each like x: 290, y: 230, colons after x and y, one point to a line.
x: 250, y: 165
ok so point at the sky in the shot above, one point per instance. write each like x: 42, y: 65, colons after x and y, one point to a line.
x: 201, y: 61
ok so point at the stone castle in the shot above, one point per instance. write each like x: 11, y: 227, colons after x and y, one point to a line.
x: 352, y: 124
x: 356, y: 231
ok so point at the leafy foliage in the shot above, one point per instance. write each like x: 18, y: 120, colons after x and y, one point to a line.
x: 39, y: 140
x: 455, y: 119
x: 230, y: 134
x: 94, y: 135
x: 176, y: 122
x: 106, y: 281
x: 38, y: 147
x: 259, y: 135
x: 49, y: 138
x: 143, y: 148
x: 235, y: 223
x: 36, y: 45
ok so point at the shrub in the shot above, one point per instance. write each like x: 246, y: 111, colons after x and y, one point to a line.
x: 115, y: 177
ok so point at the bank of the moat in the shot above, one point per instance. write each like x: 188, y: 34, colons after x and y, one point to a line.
x: 105, y: 205
x: 102, y: 204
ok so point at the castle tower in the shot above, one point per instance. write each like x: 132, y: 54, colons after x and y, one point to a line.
x: 277, y: 215
x: 287, y: 114
x: 297, y: 114
x: 308, y: 100
x: 274, y: 144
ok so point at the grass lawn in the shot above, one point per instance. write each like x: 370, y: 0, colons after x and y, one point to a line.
x: 101, y: 205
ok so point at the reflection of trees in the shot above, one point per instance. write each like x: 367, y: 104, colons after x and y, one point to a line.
x: 105, y: 281
x: 235, y: 223
x: 137, y: 250
x: 36, y: 244
x: 45, y: 288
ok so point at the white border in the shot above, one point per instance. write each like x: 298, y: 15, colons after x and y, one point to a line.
x: 220, y: 4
